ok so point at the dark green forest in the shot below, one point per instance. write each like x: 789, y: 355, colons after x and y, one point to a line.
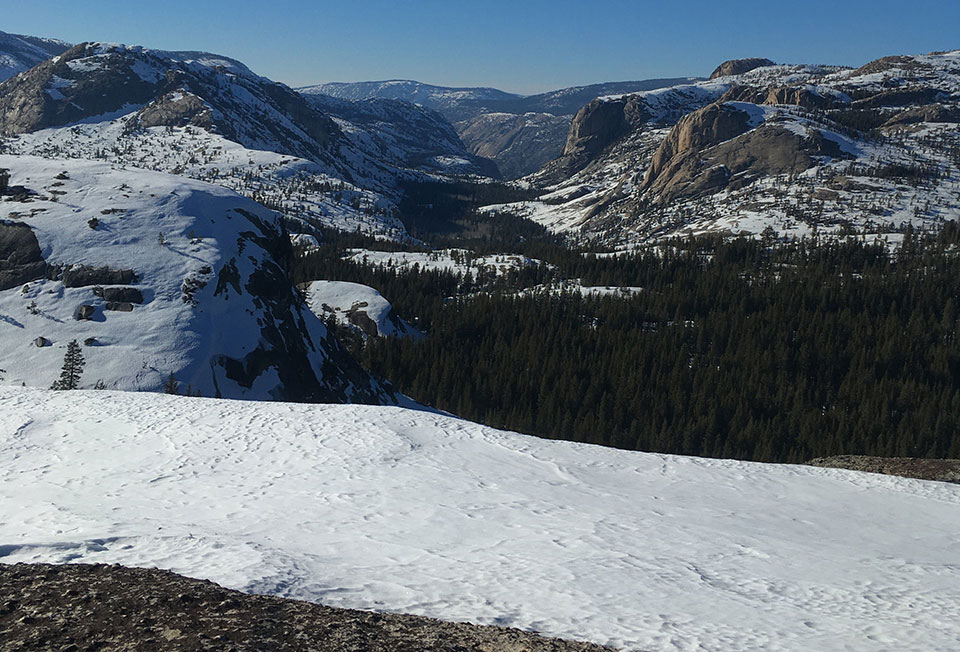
x: 742, y: 349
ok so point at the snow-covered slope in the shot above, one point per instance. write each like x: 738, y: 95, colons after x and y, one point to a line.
x: 157, y: 274
x: 384, y: 508
x: 791, y: 150
x: 356, y: 306
x: 19, y: 53
x: 331, y: 163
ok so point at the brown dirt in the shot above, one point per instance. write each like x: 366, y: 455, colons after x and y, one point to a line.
x: 906, y: 467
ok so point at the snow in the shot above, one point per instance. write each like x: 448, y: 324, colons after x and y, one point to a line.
x: 340, y: 299
x: 388, y: 509
x: 445, y: 260
x: 203, y: 230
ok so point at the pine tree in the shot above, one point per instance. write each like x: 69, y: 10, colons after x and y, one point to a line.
x: 72, y: 368
x: 171, y: 386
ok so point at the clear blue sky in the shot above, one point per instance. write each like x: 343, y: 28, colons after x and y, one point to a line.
x: 518, y: 46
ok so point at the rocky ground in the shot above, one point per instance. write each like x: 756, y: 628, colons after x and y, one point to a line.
x: 77, y: 607
x: 907, y: 467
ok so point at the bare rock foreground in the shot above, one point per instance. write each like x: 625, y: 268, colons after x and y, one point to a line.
x: 80, y: 607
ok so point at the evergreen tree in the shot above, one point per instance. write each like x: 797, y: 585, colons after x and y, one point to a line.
x: 72, y: 368
x: 171, y: 386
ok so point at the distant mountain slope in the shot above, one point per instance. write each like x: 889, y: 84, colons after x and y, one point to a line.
x: 393, y: 510
x: 19, y: 53
x: 520, y: 133
x: 799, y: 150
x: 156, y: 275
x: 325, y: 162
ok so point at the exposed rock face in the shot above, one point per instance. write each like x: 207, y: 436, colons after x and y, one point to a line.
x: 97, y: 607
x: 123, y: 294
x: 175, y: 109
x: 718, y: 147
x: 21, y: 260
x: 597, y: 126
x: 739, y: 66
x: 697, y: 131
x: 518, y: 144
x: 802, y: 96
x: 75, y: 276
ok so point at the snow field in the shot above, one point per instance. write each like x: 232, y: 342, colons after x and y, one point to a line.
x: 389, y: 509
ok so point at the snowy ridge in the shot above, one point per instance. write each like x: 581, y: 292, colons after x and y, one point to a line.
x: 383, y: 508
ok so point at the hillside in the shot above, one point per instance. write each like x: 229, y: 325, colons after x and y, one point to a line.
x: 388, y: 509
x: 209, y: 117
x: 19, y: 53
x: 801, y: 150
x: 156, y: 275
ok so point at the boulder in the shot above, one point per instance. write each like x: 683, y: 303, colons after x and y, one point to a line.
x: 84, y: 312
x: 75, y: 276
x: 122, y: 294
x: 120, y: 306
x: 20, y: 257
x: 41, y: 342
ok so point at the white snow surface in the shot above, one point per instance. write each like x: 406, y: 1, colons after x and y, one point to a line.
x: 389, y: 509
x: 202, y: 226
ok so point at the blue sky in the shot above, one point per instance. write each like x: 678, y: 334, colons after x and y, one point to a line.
x: 518, y: 46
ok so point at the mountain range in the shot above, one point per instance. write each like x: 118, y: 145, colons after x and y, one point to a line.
x: 520, y: 133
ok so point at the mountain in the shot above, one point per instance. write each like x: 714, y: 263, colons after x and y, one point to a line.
x: 197, y: 114
x: 520, y: 133
x: 393, y: 510
x: 19, y: 53
x: 454, y: 103
x: 156, y: 275
x: 798, y: 150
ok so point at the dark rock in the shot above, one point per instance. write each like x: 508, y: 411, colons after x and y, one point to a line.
x: 41, y: 342
x: 84, y: 312
x: 176, y: 109
x: 121, y: 306
x: 740, y: 66
x: 150, y: 609
x: 127, y: 294
x: 90, y: 341
x: 21, y: 260
x: 75, y: 276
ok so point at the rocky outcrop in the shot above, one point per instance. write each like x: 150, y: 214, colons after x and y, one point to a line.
x: 76, y: 276
x: 718, y: 147
x: 98, y: 607
x: 21, y: 260
x: 802, y: 96
x: 739, y: 66
x: 596, y: 127
x: 176, y: 109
